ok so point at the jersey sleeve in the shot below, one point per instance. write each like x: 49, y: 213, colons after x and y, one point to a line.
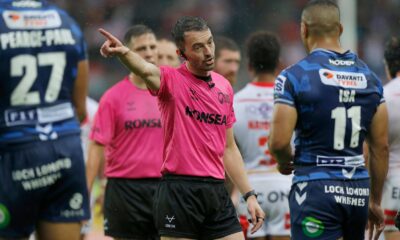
x: 284, y: 90
x: 165, y: 91
x: 380, y: 88
x: 81, y: 44
x: 104, y: 122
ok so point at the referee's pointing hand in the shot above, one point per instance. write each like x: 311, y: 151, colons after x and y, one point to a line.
x: 112, y: 46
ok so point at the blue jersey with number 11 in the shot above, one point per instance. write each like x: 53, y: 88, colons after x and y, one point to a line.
x: 335, y: 95
x: 40, y: 48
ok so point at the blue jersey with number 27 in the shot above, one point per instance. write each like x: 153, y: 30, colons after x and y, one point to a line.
x: 40, y: 48
x: 336, y: 96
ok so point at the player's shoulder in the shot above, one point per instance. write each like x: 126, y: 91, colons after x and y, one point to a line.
x: 114, y: 92
x: 221, y: 81
x: 242, y: 93
x: 165, y: 69
x: 392, y: 86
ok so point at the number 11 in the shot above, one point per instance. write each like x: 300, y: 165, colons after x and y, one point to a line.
x: 339, y: 114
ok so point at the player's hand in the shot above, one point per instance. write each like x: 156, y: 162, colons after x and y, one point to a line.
x: 376, y: 222
x: 397, y: 220
x: 256, y: 213
x: 286, y: 169
x: 112, y: 46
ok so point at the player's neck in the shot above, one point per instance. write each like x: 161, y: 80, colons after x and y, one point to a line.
x: 326, y: 43
x: 264, y: 78
x: 197, y: 72
x: 137, y: 81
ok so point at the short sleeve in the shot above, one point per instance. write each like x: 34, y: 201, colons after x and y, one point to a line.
x: 165, y: 91
x: 380, y: 88
x: 104, y: 122
x: 284, y: 90
x: 80, y: 44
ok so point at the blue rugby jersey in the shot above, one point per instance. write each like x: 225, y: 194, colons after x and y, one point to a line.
x: 335, y: 95
x: 40, y: 48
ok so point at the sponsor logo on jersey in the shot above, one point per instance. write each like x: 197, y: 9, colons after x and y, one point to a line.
x: 209, y: 118
x: 339, y: 62
x: 18, y: 117
x: 32, y: 19
x: 27, y: 4
x: 76, y: 201
x: 194, y: 96
x: 263, y: 110
x: 258, y: 125
x: 4, y: 216
x: 142, y: 123
x: 343, y: 79
x: 312, y: 227
x: 337, y: 161
x: 223, y: 98
x: 280, y: 84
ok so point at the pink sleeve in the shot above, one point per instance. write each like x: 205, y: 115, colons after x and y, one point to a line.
x: 231, y: 116
x: 165, y: 91
x: 104, y: 122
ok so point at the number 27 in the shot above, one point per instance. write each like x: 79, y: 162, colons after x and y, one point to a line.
x: 30, y: 63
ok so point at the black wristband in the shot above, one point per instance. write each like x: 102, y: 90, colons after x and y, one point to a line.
x: 248, y: 194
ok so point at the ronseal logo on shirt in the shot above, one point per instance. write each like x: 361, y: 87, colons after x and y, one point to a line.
x: 343, y: 79
x: 209, y: 118
x: 32, y: 19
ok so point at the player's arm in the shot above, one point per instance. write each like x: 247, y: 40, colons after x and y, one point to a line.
x: 149, y: 72
x: 235, y: 168
x: 94, y: 163
x: 283, y: 124
x: 79, y: 92
x: 378, y: 149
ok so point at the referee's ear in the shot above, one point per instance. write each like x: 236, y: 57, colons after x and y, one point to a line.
x: 181, y: 54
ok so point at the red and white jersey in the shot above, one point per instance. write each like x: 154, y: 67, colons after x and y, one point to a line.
x: 392, y: 96
x: 91, y: 109
x: 253, y: 107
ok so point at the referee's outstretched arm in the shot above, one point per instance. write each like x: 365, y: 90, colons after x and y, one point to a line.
x: 149, y: 72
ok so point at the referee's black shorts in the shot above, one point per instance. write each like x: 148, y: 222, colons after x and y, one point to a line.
x: 194, y: 207
x: 128, y: 208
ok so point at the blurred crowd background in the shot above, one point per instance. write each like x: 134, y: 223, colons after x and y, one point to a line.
x: 377, y: 20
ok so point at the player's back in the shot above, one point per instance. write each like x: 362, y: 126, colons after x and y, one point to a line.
x: 392, y: 97
x: 40, y: 48
x: 336, y: 96
x: 253, y: 108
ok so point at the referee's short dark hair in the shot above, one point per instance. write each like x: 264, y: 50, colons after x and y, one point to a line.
x: 392, y: 56
x: 263, y: 50
x: 136, y: 31
x: 187, y: 24
x: 222, y: 43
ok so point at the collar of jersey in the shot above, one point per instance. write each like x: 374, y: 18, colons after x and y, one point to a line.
x: 329, y: 51
x: 262, y: 84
